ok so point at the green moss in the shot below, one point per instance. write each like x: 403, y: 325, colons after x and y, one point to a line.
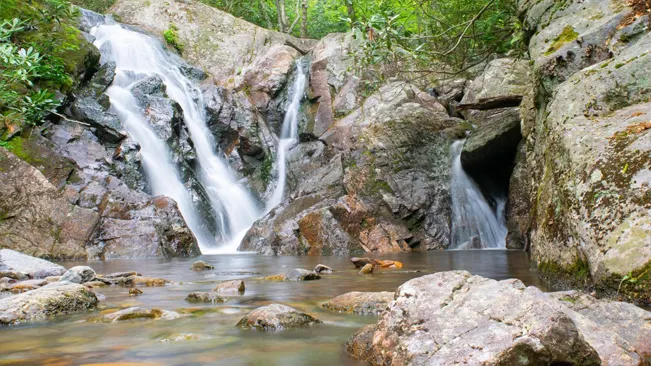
x: 576, y: 275
x: 17, y: 147
x: 172, y: 38
x: 265, y: 169
x: 98, y: 6
x: 567, y: 35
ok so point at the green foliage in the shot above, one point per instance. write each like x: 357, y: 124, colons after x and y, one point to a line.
x: 172, y: 38
x: 36, y: 39
x: 98, y: 6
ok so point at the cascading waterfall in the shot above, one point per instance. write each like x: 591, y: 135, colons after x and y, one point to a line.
x: 474, y: 223
x: 138, y: 56
x: 288, y: 137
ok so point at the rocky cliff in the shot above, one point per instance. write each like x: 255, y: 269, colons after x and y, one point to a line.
x: 588, y: 144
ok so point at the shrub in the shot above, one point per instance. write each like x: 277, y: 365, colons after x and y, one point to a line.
x: 172, y: 38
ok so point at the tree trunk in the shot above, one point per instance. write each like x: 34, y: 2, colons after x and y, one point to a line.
x: 351, y: 11
x: 282, y: 16
x: 304, y: 19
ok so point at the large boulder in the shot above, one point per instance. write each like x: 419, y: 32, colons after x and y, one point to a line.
x: 216, y: 41
x: 588, y: 151
x: 45, y: 302
x: 13, y: 261
x: 453, y: 317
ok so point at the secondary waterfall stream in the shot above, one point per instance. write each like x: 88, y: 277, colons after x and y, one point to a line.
x: 475, y: 224
x: 288, y: 137
x: 138, y: 56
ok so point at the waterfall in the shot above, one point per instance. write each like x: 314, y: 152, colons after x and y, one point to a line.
x: 474, y: 223
x: 138, y: 56
x: 288, y: 137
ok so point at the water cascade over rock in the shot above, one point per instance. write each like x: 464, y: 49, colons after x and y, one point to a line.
x: 139, y: 57
x: 475, y: 224
x: 288, y: 137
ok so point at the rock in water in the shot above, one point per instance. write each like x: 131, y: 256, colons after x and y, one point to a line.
x: 204, y: 297
x: 137, y: 313
x: 51, y: 300
x: 135, y: 292
x: 299, y: 274
x: 11, y: 260
x: 453, y: 317
x: 201, y: 266
x: 367, y: 269
x: 276, y: 317
x: 321, y: 268
x: 361, y: 262
x: 366, y: 303
x: 231, y: 287
x: 79, y: 274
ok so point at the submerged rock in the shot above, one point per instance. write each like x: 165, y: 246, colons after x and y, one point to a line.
x: 204, y: 297
x: 276, y: 317
x: 452, y: 317
x: 135, y: 292
x: 136, y: 313
x: 201, y: 266
x: 47, y: 301
x: 365, y: 303
x: 299, y: 274
x: 79, y: 274
x: 367, y: 269
x: 230, y: 287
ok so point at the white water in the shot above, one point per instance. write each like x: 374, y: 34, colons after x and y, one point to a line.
x: 288, y: 137
x: 473, y: 219
x: 138, y: 55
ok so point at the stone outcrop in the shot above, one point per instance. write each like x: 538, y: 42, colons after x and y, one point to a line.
x: 454, y: 317
x: 45, y: 302
x: 276, y: 317
x: 379, y: 183
x: 214, y: 40
x: 588, y: 144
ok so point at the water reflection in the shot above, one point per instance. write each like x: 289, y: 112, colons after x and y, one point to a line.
x: 70, y: 341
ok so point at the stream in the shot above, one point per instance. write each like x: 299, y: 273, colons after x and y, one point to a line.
x: 69, y: 340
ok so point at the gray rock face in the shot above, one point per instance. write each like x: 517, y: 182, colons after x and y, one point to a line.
x: 299, y: 274
x: 79, y: 274
x: 365, y: 303
x: 11, y: 260
x: 276, y: 317
x: 378, y: 184
x: 502, y: 79
x: 588, y: 149
x: 492, y: 144
x: 47, y: 301
x: 453, y: 317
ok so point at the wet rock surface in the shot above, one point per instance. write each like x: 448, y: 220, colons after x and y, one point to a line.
x: 207, y: 297
x: 201, y: 266
x: 45, y: 302
x: 276, y: 317
x: 299, y: 274
x: 79, y: 274
x: 365, y: 303
x: 137, y: 313
x: 234, y: 287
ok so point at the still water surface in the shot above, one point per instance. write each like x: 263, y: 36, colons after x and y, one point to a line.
x: 72, y: 341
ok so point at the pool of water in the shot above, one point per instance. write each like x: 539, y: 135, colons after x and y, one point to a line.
x: 215, y: 340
